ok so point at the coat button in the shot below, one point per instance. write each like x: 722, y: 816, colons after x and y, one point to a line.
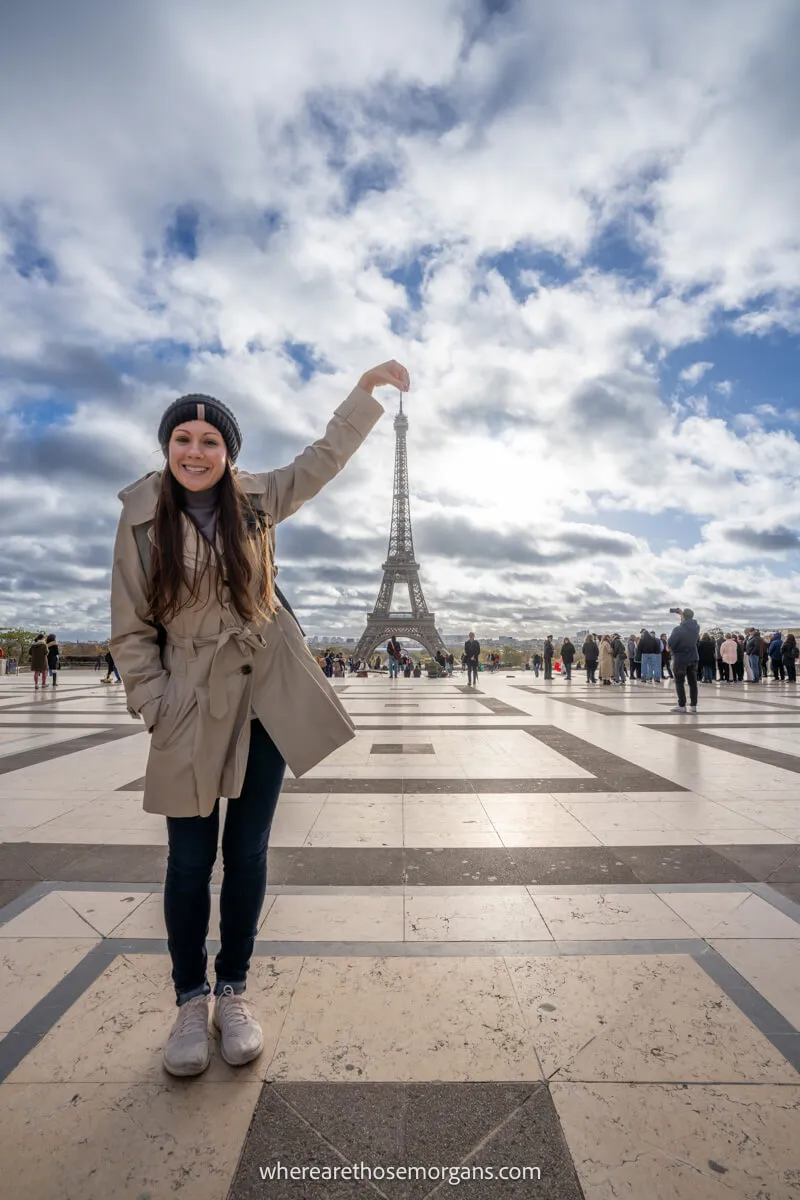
x: 247, y: 669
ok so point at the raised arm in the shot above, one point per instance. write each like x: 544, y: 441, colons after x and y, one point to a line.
x: 289, y: 487
x: 134, y: 642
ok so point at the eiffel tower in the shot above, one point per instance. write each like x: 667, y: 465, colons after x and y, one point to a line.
x: 418, y: 624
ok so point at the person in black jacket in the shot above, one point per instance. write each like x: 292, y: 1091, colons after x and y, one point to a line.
x: 707, y: 653
x: 472, y: 649
x: 549, y: 651
x: 567, y: 656
x: 685, y: 656
x: 790, y: 654
x: 591, y: 653
x: 752, y: 648
x: 53, y: 657
x: 111, y: 667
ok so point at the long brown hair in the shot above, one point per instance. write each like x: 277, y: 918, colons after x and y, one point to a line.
x: 245, y: 564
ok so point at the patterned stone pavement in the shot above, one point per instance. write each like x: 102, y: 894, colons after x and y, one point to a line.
x: 536, y: 939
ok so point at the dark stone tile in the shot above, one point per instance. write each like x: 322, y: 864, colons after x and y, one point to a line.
x: 334, y: 866
x: 11, y: 888
x: 401, y: 748
x: 789, y: 870
x: 571, y: 864
x: 13, y: 864
x: 30, y: 758
x: 475, y: 865
x: 117, y: 864
x: 278, y: 1135
x: 760, y: 861
x: 355, y: 786
x: 533, y: 1137
x: 790, y: 890
x: 441, y: 787
x: 405, y: 1125
x: 681, y: 864
x: 48, y: 860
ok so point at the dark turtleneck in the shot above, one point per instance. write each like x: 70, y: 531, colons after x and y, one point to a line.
x: 202, y: 508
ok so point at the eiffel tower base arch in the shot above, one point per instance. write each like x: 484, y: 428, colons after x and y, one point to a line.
x: 381, y: 628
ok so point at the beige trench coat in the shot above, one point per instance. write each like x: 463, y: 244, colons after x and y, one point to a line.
x: 606, y: 661
x: 217, y: 668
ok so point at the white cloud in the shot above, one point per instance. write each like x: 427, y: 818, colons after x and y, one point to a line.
x: 695, y: 372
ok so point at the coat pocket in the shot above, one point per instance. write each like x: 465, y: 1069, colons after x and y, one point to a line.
x: 178, y: 704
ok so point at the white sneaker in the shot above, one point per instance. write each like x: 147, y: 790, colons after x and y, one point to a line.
x: 187, y: 1051
x: 241, y: 1036
x: 692, y: 708
x: 678, y: 708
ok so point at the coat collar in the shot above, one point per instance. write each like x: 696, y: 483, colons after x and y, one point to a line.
x: 139, y: 499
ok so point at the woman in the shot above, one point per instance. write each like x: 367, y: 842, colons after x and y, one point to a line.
x: 790, y: 655
x: 590, y: 652
x: 567, y: 657
x: 38, y: 656
x: 237, y: 693
x: 705, y: 650
x: 606, y: 661
x: 53, y: 657
x: 776, y: 657
x: 728, y: 655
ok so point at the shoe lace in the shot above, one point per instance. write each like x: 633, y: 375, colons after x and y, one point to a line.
x: 192, y: 1017
x: 234, y: 1010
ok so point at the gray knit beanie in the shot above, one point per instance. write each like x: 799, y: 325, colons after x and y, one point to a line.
x: 201, y: 408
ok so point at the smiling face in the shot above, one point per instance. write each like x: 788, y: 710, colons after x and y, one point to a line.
x: 197, y: 455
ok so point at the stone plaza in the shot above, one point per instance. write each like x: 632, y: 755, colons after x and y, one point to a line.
x: 528, y: 925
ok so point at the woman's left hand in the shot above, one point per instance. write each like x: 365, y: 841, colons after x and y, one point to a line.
x: 390, y: 374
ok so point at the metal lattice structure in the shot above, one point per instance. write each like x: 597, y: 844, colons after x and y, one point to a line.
x: 418, y: 624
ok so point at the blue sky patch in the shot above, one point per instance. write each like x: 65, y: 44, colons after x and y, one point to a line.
x: 180, y: 237
x: 29, y: 257
x: 306, y: 359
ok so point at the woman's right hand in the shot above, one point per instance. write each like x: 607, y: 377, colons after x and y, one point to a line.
x: 388, y: 374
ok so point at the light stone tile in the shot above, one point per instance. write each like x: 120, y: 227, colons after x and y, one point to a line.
x: 116, y: 1031
x: 49, y: 917
x: 731, y: 914
x: 660, y: 1020
x: 371, y: 823
x: 477, y: 917
x: 574, y: 835
x: 103, y: 910
x: 698, y: 814
x: 404, y: 1020
x: 773, y: 968
x: 703, y: 1142
x: 128, y: 1141
x: 32, y: 813
x: 335, y: 918
x: 30, y: 967
x: 760, y: 836
x: 609, y: 916
x: 292, y: 823
x: 95, y: 837
x: 635, y: 815
x: 646, y: 837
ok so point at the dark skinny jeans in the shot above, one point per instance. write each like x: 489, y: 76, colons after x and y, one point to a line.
x: 192, y: 854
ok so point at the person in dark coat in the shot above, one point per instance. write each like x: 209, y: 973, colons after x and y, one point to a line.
x: 685, y: 656
x: 549, y: 652
x: 706, y: 651
x: 789, y: 654
x: 472, y: 649
x: 776, y: 657
x: 591, y: 652
x: 53, y: 657
x: 38, y: 657
x: 567, y: 657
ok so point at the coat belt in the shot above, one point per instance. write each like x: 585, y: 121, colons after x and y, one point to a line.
x: 246, y: 639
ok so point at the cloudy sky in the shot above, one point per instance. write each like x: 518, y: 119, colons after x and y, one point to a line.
x: 576, y: 224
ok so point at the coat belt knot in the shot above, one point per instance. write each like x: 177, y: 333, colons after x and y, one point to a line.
x: 246, y: 639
